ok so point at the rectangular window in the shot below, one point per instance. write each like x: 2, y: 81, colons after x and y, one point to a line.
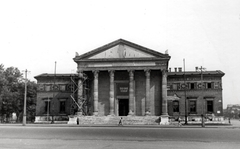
x: 175, y: 106
x: 47, y: 106
x: 193, y: 106
x: 62, y: 106
x: 210, y: 106
x: 209, y: 85
x: 192, y: 86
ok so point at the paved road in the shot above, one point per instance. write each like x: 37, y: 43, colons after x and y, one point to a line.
x: 30, y: 136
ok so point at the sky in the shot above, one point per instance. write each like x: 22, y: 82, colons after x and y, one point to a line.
x: 35, y: 34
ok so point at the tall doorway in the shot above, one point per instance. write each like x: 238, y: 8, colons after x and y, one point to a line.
x: 123, y: 108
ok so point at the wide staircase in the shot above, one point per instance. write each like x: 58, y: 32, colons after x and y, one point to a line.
x: 114, y: 120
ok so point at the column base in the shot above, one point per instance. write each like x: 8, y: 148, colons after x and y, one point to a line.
x: 147, y: 113
x: 111, y: 113
x: 164, y: 120
x: 72, y: 120
x: 95, y: 113
x: 79, y: 114
x: 130, y: 113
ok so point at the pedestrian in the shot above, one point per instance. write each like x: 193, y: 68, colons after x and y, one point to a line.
x: 120, y: 122
x: 77, y: 121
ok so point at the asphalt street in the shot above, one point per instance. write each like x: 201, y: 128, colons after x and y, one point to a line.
x: 61, y: 137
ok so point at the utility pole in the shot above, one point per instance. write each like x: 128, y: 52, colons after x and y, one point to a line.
x: 203, y: 105
x: 25, y: 100
x: 54, y: 89
x: 203, y: 119
x: 185, y: 94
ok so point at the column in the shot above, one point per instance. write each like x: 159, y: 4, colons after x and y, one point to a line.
x: 80, y: 93
x: 131, y: 93
x: 164, y: 116
x: 147, y: 99
x: 164, y: 92
x: 111, y: 92
x: 95, y: 93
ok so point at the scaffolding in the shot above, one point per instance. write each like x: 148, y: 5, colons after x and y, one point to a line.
x: 84, y: 104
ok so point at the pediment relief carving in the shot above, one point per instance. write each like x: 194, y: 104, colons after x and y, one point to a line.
x: 121, y: 51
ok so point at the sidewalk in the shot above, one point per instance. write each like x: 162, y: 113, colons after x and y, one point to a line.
x: 234, y: 124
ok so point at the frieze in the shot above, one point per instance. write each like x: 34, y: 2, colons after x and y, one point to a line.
x: 191, y: 79
x: 54, y: 87
x: 194, y: 85
x: 123, y: 64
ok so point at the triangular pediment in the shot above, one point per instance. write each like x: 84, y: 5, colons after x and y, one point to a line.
x: 120, y: 49
x: 174, y: 97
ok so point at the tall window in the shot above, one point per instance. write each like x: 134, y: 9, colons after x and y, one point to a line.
x: 62, y: 106
x: 210, y: 106
x: 175, y: 106
x: 47, y: 105
x: 193, y: 106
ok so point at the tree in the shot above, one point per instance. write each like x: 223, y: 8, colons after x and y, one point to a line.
x: 12, y: 88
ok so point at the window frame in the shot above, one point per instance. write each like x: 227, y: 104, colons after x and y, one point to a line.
x: 212, y: 106
x: 190, y: 108
x: 47, y: 105
x: 62, y: 111
x: 176, y: 107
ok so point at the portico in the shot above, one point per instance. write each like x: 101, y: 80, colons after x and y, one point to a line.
x: 126, y: 80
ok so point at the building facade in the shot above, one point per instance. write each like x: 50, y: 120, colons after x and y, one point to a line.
x: 123, y: 79
x: 194, y: 93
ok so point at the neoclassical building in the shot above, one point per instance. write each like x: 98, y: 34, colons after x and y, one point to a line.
x: 119, y: 79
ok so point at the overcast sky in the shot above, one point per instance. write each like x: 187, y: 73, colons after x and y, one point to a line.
x: 35, y: 34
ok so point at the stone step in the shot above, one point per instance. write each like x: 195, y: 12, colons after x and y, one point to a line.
x: 127, y: 120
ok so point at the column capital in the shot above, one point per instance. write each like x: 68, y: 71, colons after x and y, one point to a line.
x: 95, y: 72
x: 164, y: 72
x: 147, y: 72
x: 111, y: 73
x: 131, y: 73
x: 80, y: 73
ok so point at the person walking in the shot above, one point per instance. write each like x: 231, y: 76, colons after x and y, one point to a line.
x: 120, y: 122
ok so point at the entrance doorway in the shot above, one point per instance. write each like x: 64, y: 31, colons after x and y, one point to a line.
x: 123, y: 107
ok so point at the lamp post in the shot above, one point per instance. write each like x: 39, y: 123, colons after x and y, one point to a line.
x: 25, y: 100
x: 203, y: 105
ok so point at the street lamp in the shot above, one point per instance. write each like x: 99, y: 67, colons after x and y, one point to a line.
x: 203, y: 118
